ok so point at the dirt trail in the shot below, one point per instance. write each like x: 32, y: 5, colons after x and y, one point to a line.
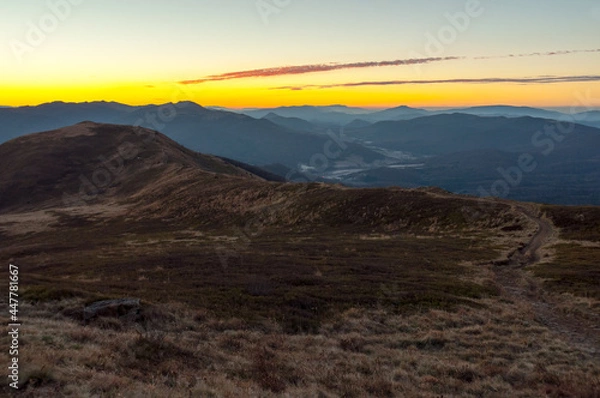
x: 530, y: 253
x: 518, y: 285
x: 580, y: 332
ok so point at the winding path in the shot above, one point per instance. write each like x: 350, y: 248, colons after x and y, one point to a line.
x: 518, y: 285
x: 583, y: 333
x: 530, y: 253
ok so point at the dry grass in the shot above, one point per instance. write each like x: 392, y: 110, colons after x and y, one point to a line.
x: 297, y: 277
x: 497, y: 351
x: 409, y: 311
x: 574, y: 269
x: 26, y: 223
x: 327, y: 291
x: 578, y: 223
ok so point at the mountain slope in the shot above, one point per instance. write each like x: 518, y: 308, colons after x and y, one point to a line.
x: 442, y: 134
x: 245, y: 139
x: 399, y: 113
x: 507, y: 111
x: 246, y: 283
x: 292, y: 123
x: 15, y: 122
x: 519, y: 158
x: 561, y: 178
x: 566, y: 171
x: 320, y: 115
x: 90, y: 162
x: 590, y: 118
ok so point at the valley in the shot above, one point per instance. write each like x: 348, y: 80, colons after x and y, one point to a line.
x: 465, y: 151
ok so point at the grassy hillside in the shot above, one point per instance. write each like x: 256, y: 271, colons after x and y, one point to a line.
x: 251, y: 287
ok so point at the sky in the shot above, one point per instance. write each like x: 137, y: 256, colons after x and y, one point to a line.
x: 267, y: 53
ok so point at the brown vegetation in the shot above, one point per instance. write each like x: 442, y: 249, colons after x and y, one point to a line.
x: 498, y: 350
x: 256, y: 288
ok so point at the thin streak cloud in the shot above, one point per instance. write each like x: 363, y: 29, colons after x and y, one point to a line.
x: 303, y: 69
x: 314, y: 68
x: 524, y: 80
x: 538, y: 54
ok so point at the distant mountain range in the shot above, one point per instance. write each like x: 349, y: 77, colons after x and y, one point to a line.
x: 442, y: 134
x: 328, y: 116
x: 507, y: 111
x: 221, y: 133
x: 480, y: 151
x: 523, y: 158
x: 107, y: 164
x: 342, y: 116
x: 292, y: 123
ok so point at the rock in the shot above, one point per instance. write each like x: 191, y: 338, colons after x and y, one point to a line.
x: 126, y: 309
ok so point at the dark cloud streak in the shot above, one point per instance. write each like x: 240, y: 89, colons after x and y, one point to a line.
x: 525, y: 80
x: 303, y: 69
x: 538, y: 54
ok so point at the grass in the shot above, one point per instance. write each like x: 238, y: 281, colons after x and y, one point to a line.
x: 497, y: 349
x: 296, y: 279
x: 577, y: 223
x: 297, y: 273
x: 575, y: 269
x: 329, y: 298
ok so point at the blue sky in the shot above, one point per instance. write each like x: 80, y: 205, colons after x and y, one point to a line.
x: 103, y: 47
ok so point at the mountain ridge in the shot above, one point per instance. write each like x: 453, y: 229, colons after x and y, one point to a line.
x: 86, y: 162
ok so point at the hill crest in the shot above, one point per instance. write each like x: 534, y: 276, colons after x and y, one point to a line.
x: 88, y: 162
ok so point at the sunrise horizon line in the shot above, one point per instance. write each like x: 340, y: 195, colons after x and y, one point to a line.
x: 366, y: 107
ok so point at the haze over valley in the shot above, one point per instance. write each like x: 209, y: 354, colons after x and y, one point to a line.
x: 509, y: 152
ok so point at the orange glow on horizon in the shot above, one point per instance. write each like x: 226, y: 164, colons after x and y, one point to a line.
x: 236, y: 95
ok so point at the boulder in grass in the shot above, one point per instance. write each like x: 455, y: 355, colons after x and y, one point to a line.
x: 126, y: 309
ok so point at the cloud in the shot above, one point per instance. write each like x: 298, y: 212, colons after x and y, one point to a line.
x: 303, y: 69
x: 493, y: 80
x: 314, y: 68
x: 538, y: 54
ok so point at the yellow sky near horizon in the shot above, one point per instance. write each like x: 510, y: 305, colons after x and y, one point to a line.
x: 260, y: 95
x: 138, y: 52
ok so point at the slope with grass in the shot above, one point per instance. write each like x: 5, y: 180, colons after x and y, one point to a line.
x: 90, y: 160
x: 252, y: 287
